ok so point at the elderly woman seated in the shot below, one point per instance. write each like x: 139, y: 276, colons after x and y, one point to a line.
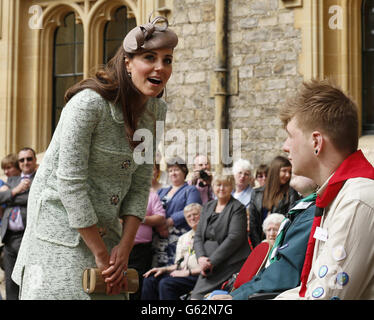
x: 271, y: 226
x: 171, y: 282
x: 221, y: 242
x: 243, y: 181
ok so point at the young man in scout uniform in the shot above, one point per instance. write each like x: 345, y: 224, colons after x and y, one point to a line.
x: 322, y: 127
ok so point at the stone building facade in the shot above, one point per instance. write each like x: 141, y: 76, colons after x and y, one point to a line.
x: 263, y: 47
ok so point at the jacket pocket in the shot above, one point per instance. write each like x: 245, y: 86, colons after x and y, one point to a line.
x: 52, y: 224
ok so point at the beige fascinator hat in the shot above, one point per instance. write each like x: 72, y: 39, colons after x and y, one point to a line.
x: 150, y: 36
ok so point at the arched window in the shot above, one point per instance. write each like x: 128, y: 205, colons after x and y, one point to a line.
x: 368, y: 67
x: 67, y: 62
x: 115, y: 30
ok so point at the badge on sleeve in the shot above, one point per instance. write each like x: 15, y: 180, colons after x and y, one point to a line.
x: 342, y: 278
x: 323, y: 271
x: 318, y: 292
x: 338, y: 253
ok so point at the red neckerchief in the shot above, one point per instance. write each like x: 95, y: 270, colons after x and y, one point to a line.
x: 355, y: 166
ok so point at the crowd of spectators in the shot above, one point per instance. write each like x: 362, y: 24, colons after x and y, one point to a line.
x: 200, y: 227
x: 192, y: 258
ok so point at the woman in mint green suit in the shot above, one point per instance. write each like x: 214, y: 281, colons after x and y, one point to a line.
x: 89, y: 181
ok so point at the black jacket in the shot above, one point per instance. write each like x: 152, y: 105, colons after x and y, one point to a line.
x: 230, y: 234
x: 256, y: 215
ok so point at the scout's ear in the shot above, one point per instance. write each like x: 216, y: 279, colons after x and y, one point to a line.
x: 317, y: 141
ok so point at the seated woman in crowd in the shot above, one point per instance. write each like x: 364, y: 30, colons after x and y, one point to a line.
x: 260, y: 175
x: 174, y: 199
x: 141, y: 253
x: 243, y: 181
x: 275, y: 196
x: 171, y: 282
x: 221, y: 242
x: 271, y: 226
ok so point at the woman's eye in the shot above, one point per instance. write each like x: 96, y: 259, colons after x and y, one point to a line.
x: 168, y: 61
x: 149, y: 57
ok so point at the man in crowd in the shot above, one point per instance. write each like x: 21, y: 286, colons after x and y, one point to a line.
x: 202, y: 178
x: 14, y: 217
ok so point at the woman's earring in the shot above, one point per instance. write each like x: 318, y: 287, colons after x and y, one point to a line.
x: 129, y: 74
x: 316, y: 151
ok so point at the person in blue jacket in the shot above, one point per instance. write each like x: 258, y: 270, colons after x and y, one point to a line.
x: 174, y: 198
x: 283, y: 268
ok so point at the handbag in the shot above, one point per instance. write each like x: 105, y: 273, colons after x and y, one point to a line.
x: 93, y: 281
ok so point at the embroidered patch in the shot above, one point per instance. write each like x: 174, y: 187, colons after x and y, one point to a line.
x: 338, y: 253
x: 323, y: 271
x: 342, y: 278
x: 318, y: 292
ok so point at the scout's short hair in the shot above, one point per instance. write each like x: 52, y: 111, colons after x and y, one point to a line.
x: 321, y: 105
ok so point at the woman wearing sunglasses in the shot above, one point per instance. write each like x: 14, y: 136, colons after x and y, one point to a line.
x: 88, y: 179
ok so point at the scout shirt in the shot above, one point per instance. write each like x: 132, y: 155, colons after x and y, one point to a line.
x: 342, y: 266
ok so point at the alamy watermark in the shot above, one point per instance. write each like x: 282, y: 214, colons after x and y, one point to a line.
x: 336, y: 20
x: 174, y: 142
x: 36, y: 19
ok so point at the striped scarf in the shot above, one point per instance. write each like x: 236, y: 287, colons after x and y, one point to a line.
x: 291, y: 215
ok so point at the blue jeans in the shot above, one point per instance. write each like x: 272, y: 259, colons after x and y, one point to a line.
x: 165, y: 287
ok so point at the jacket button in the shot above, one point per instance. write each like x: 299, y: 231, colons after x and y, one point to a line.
x: 126, y: 164
x: 114, y: 199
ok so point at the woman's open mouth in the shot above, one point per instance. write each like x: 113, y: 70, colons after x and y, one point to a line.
x: 155, y: 81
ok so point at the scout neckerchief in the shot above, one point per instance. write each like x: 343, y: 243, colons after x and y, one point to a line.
x: 355, y: 166
x: 301, y: 205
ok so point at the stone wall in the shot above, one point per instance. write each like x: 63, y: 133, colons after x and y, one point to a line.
x: 263, y: 45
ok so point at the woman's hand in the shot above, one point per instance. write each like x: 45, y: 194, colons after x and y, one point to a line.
x: 169, y: 222
x: 205, y: 265
x: 180, y: 273
x: 163, y: 230
x: 119, y: 256
x: 114, y: 274
x: 156, y: 271
x: 95, y: 243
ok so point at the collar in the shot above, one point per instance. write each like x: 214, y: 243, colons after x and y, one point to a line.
x: 322, y: 188
x: 354, y: 166
x: 116, y: 112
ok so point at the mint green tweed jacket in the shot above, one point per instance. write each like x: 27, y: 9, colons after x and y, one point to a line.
x: 88, y: 176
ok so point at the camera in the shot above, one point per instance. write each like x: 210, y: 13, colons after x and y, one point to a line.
x: 205, y: 177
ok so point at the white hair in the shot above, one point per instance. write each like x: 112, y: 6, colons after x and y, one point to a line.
x: 192, y: 206
x: 241, y: 164
x: 272, y: 218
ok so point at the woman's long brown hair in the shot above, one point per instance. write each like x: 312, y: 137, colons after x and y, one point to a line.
x: 114, y: 84
x: 274, y: 191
